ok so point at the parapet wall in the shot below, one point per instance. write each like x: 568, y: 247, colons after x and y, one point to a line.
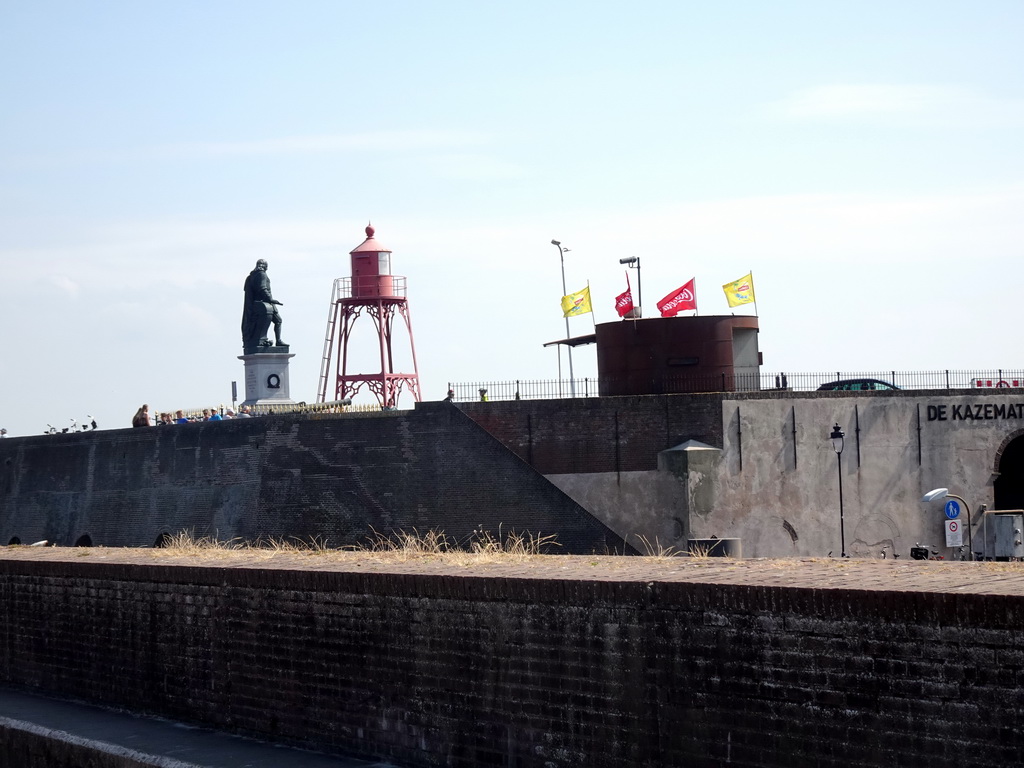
x: 335, y: 478
x: 25, y: 746
x: 587, y: 661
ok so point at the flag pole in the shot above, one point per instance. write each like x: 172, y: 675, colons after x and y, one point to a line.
x: 696, y: 312
x: 592, y: 320
x: 636, y: 307
x: 752, y: 288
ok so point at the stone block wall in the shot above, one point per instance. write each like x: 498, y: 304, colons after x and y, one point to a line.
x: 336, y: 478
x: 553, y: 671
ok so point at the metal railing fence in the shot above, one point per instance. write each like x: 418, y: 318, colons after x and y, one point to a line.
x: 339, y: 406
x: 551, y: 389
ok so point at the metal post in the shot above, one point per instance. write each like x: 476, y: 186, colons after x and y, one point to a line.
x: 572, y: 383
x: 639, y: 288
x: 970, y: 540
x: 842, y: 523
x: 942, y: 493
x: 837, y: 438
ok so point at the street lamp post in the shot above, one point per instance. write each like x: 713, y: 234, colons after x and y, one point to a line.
x: 837, y: 438
x: 561, y: 257
x: 630, y: 262
x: 942, y: 493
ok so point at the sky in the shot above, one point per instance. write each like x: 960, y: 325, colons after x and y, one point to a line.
x: 862, y: 159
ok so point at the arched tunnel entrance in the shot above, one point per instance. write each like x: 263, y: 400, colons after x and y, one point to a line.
x: 1009, y: 486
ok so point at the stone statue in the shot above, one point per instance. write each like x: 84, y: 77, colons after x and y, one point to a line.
x: 259, y: 311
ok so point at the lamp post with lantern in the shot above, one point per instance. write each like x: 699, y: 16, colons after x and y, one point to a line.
x: 838, y: 437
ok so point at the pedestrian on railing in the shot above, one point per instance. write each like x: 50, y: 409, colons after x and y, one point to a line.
x: 450, y: 396
x: 483, y: 395
x: 180, y: 417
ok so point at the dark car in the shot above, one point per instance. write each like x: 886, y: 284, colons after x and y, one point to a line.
x: 858, y: 385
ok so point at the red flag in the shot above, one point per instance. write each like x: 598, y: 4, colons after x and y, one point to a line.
x: 624, y: 301
x: 679, y: 301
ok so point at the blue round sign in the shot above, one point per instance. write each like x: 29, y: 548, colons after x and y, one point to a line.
x: 952, y: 509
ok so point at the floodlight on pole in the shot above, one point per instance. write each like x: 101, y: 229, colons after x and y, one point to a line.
x: 942, y: 493
x: 633, y: 262
x: 561, y: 256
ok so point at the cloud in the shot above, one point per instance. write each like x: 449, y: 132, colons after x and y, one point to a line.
x: 473, y: 167
x: 378, y: 141
x: 68, y: 286
x: 190, y: 254
x: 168, y: 253
x: 911, y: 104
x: 811, y: 229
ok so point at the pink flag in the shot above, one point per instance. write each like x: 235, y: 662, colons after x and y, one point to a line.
x: 679, y: 301
x: 624, y: 301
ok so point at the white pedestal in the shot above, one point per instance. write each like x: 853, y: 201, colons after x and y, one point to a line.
x: 266, y: 377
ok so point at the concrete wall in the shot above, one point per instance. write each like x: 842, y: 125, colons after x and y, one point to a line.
x: 778, y: 486
x: 548, y: 671
x: 774, y: 482
x: 646, y: 509
x: 334, y: 477
x: 595, y: 435
x: 755, y: 466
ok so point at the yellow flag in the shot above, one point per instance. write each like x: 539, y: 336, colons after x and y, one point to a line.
x: 576, y: 303
x: 740, y: 291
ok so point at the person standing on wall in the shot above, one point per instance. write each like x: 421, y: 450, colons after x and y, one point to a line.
x: 141, y: 418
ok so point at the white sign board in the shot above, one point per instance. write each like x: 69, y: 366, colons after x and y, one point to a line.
x: 954, y: 533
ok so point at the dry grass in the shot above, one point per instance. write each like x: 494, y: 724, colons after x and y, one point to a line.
x: 480, y: 547
x: 397, y: 546
x: 407, y: 543
x: 656, y: 548
x: 185, y: 545
x: 660, y: 551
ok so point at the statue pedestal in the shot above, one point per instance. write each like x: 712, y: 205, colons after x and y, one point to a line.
x: 266, y: 376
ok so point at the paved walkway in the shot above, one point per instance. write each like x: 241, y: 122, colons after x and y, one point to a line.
x: 902, y: 575
x: 153, y: 741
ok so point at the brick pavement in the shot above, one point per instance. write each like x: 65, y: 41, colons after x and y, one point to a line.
x: 903, y: 575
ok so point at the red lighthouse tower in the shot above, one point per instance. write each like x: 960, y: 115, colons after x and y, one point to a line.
x: 374, y: 290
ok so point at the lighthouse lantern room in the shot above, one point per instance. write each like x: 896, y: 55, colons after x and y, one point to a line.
x: 374, y: 291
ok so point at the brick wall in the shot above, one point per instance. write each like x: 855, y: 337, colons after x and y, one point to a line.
x: 25, y: 746
x: 608, y: 434
x: 449, y: 670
